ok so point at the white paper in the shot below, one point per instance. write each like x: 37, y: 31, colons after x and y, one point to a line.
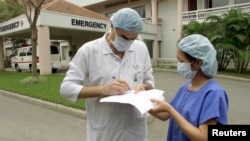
x: 140, y: 100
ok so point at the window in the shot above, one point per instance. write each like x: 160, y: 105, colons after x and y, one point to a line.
x: 29, y: 53
x: 192, y: 5
x: 241, y: 1
x: 54, y: 50
x: 216, y: 3
x: 64, y: 52
x: 140, y: 10
x: 22, y: 52
x: 149, y: 44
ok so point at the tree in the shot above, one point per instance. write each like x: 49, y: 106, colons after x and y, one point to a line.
x: 230, y: 36
x: 221, y: 42
x: 8, y: 11
x: 31, y: 9
x: 216, y: 37
x: 237, y: 27
x: 3, y: 11
x: 193, y: 27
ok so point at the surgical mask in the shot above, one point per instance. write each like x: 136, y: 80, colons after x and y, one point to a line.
x: 121, y: 44
x: 185, y: 70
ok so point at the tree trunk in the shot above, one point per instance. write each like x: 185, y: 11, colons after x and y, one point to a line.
x: 34, y: 50
x: 1, y: 54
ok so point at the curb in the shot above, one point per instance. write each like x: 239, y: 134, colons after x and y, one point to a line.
x: 57, y: 107
x: 46, y: 104
x: 218, y: 75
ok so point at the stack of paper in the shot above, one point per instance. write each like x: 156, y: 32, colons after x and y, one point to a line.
x: 140, y: 100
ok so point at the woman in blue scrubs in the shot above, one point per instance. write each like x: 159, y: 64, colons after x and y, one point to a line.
x: 199, y: 102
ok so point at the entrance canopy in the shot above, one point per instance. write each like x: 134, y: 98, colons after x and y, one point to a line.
x: 65, y: 21
x: 58, y: 20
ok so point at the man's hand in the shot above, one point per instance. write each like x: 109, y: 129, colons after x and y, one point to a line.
x: 116, y: 87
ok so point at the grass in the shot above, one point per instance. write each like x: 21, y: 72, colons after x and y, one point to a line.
x: 231, y: 72
x: 228, y: 72
x: 48, y: 89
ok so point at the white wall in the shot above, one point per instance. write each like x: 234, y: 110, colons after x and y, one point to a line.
x: 168, y: 13
x: 201, y: 4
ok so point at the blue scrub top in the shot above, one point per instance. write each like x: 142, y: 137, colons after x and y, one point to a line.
x: 197, y: 107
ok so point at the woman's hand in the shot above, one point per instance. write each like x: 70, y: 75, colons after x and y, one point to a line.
x: 160, y: 109
x: 160, y: 106
x: 139, y: 87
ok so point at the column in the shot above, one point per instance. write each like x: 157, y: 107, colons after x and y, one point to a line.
x: 154, y: 18
x: 43, y: 50
x: 1, y: 54
x: 180, y: 11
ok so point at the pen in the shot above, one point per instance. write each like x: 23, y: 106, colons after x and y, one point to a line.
x: 115, y: 78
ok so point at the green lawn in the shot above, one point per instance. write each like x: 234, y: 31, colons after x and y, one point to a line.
x: 233, y: 73
x: 47, y: 90
x: 228, y: 72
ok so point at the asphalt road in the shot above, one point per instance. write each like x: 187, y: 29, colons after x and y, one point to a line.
x: 26, y: 121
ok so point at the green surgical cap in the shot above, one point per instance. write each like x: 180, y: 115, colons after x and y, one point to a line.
x: 127, y: 19
x: 201, y: 48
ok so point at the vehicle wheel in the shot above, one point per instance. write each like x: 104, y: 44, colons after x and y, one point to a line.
x: 30, y: 67
x: 38, y: 71
x: 54, y: 70
x: 18, y: 69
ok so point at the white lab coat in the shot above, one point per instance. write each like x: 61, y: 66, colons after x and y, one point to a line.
x: 95, y: 64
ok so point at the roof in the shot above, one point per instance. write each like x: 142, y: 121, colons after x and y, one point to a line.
x: 63, y: 6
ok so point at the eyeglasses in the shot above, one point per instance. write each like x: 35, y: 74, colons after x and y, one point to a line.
x: 123, y: 36
x: 126, y: 38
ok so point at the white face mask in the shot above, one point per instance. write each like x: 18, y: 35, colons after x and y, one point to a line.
x: 121, y: 44
x: 185, y: 70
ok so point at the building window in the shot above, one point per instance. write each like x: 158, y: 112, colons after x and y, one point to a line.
x: 216, y: 3
x: 149, y: 44
x: 140, y: 10
x: 241, y: 1
x: 192, y: 5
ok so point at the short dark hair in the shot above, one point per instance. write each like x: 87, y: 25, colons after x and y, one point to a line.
x: 191, y: 58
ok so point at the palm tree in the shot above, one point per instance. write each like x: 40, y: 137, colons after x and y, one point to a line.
x: 212, y: 29
x: 193, y: 27
x: 217, y: 35
x: 230, y: 36
x: 237, y: 28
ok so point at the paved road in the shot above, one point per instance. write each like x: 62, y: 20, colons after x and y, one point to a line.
x: 24, y: 121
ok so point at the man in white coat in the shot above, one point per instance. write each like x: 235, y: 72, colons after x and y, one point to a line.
x: 112, y: 65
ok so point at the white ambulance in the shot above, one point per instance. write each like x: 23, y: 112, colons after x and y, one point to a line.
x: 22, y: 59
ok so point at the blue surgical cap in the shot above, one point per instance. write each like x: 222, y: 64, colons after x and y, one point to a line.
x: 201, y: 48
x: 127, y: 19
